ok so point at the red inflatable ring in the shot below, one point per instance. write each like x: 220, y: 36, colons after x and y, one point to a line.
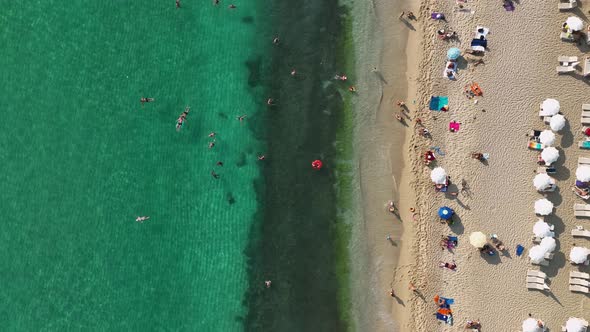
x: 317, y: 164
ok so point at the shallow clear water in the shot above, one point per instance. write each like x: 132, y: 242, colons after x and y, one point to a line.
x: 81, y: 158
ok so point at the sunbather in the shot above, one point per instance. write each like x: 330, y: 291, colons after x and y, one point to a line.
x: 451, y: 266
x: 534, y: 135
x: 581, y: 191
x: 429, y: 157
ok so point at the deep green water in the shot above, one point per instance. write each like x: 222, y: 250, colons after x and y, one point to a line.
x: 80, y: 158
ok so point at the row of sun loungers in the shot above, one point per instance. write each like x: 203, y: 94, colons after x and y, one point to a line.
x: 579, y: 282
x: 536, y: 280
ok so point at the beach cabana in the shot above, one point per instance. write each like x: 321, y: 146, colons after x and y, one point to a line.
x: 537, y: 254
x: 548, y: 244
x: 438, y: 175
x: 543, y: 207
x: 550, y: 106
x: 445, y: 213
x: 549, y: 155
x: 579, y: 255
x: 583, y: 173
x: 542, y: 181
x: 542, y: 229
x: 478, y: 239
x: 453, y: 53
x: 557, y: 122
x: 576, y: 325
x: 533, y: 325
x: 547, y: 137
x: 574, y: 23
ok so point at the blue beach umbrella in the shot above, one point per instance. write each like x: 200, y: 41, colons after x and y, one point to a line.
x: 453, y: 53
x: 445, y: 212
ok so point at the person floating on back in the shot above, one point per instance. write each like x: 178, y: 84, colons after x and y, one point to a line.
x: 146, y: 100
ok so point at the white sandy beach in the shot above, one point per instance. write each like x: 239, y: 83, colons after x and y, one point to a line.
x: 518, y: 73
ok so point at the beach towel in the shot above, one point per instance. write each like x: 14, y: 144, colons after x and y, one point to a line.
x: 453, y: 239
x: 438, y: 102
x: 519, y: 250
x: 476, y: 89
x: 585, y: 144
x: 454, y: 126
x: 508, y: 5
x: 448, y: 301
x: 479, y: 42
x: 437, y: 16
x: 535, y: 146
x: 442, y: 317
x: 445, y: 311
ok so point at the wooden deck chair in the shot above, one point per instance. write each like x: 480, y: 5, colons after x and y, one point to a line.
x: 579, y: 275
x: 536, y: 273
x: 583, y: 161
x: 541, y: 287
x: 579, y: 289
x: 581, y: 282
x: 564, y: 59
x: 565, y: 69
x: 581, y: 233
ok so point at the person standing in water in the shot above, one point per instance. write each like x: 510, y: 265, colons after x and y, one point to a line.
x: 146, y: 100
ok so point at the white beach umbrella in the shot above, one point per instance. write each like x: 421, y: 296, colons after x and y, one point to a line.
x: 547, y: 137
x: 575, y: 23
x: 542, y: 181
x: 478, y: 239
x: 543, y: 207
x: 549, y: 244
x: 575, y: 325
x: 579, y: 255
x: 438, y: 176
x: 583, y: 173
x: 557, y: 122
x: 550, y: 106
x: 541, y: 229
x: 550, y: 155
x: 537, y: 254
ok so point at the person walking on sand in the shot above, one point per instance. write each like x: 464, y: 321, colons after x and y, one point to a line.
x: 412, y: 288
x: 142, y: 219
x: 392, y: 293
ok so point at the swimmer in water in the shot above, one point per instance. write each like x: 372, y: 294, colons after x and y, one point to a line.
x: 275, y: 40
x: 142, y: 219
x: 211, y: 144
x: 352, y: 89
x: 262, y: 157
x: 267, y: 283
x: 293, y: 72
x: 177, y: 3
x: 270, y: 102
x: 219, y: 163
x: 241, y: 118
x: 212, y: 134
x: 215, y: 175
x: 145, y: 100
x: 232, y: 6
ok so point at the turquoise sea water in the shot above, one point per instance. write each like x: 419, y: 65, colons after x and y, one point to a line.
x: 81, y: 159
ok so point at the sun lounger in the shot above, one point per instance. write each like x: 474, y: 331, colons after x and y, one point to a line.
x: 567, y: 59
x: 537, y: 239
x: 536, y: 280
x: 585, y: 113
x: 536, y: 146
x: 579, y: 289
x: 583, y: 161
x: 580, y: 233
x: 581, y: 207
x: 581, y: 282
x: 579, y: 275
x: 586, y: 66
x: 542, y: 263
x: 540, y: 287
x: 585, y: 214
x: 565, y: 69
x: 536, y: 273
x: 565, y: 36
x: 478, y: 34
x: 584, y: 145
x: 549, y: 255
x: 567, y: 5
x: 584, y: 120
x: 585, y: 107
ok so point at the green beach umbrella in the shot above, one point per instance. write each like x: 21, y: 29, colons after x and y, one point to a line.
x: 453, y: 53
